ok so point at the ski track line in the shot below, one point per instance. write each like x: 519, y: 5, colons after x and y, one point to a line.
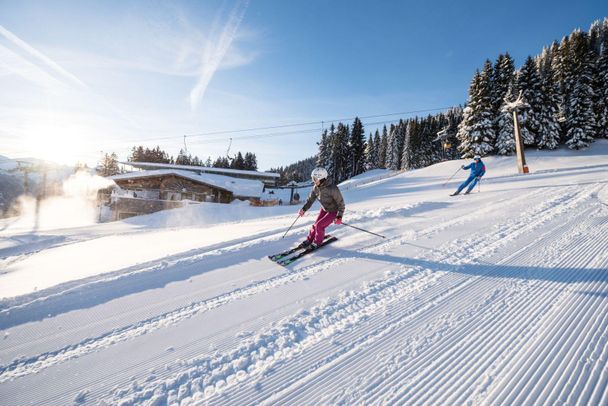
x: 534, y: 389
x: 541, y: 372
x: 567, y: 292
x: 572, y: 375
x: 598, y: 394
x: 304, y: 330
x: 498, y: 365
x: 515, y: 259
x: 517, y: 366
x: 393, y: 385
x: 473, y: 361
x: 97, y: 321
x: 146, y: 326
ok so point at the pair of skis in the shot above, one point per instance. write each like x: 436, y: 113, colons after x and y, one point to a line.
x: 287, y: 257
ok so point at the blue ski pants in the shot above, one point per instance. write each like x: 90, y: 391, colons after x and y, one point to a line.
x: 472, y: 180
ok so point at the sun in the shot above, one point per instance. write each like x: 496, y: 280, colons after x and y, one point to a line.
x: 57, y: 141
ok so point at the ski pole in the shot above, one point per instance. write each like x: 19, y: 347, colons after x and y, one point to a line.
x: 294, y: 222
x: 446, y: 182
x: 479, y: 186
x: 360, y: 229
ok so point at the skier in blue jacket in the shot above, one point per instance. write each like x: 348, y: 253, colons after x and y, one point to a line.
x: 478, y: 169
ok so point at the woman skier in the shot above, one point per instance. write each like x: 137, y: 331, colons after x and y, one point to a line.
x: 332, y: 207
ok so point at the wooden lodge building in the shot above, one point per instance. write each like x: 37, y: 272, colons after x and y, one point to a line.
x: 163, y: 186
x: 268, y: 178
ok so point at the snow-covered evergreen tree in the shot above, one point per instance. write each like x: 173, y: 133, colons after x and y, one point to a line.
x: 598, y: 35
x: 580, y: 119
x: 383, y: 147
x: 340, y: 154
x: 371, y: 156
x: 580, y: 122
x: 503, y: 76
x: 601, y: 107
x: 326, y: 147
x: 476, y: 131
x: 324, y: 150
x: 549, y: 134
x: 505, y: 139
x: 407, y: 157
x: 377, y: 147
x: 357, y: 149
x: 528, y: 82
x: 395, y: 146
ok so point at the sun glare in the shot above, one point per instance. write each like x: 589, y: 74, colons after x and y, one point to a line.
x: 60, y: 142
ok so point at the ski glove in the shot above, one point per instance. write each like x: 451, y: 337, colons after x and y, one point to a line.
x: 338, y: 220
x: 301, y: 212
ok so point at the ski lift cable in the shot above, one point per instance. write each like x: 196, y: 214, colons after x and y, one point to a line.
x: 268, y: 135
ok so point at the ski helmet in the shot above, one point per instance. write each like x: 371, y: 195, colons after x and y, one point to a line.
x: 319, y: 174
x: 476, y: 157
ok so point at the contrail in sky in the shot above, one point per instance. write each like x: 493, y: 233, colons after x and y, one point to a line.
x: 52, y: 65
x: 215, y: 52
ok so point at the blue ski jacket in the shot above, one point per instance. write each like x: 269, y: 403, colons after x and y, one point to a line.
x: 478, y: 169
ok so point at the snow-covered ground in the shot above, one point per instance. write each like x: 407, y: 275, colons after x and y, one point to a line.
x: 498, y: 297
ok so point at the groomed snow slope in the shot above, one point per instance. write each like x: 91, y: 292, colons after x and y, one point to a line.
x: 496, y: 297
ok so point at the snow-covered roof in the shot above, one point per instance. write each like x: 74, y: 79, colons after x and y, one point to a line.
x: 239, y: 187
x: 152, y: 165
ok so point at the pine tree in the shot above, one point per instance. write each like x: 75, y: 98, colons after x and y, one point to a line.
x: 357, y: 148
x: 529, y: 84
x: 251, y: 162
x: 137, y: 154
x: 377, y: 147
x: 182, y: 158
x: 407, y: 156
x: 549, y: 133
x: 328, y: 154
x: 323, y: 155
x: 371, y: 157
x: 580, y: 122
x: 505, y: 139
x: 560, y: 69
x: 601, y: 107
x: 238, y: 162
x: 383, y: 148
x: 503, y: 76
x: 395, y: 147
x: 340, y: 154
x: 476, y: 131
x: 109, y: 165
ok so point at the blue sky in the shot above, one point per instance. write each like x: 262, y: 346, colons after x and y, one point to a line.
x: 79, y: 78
